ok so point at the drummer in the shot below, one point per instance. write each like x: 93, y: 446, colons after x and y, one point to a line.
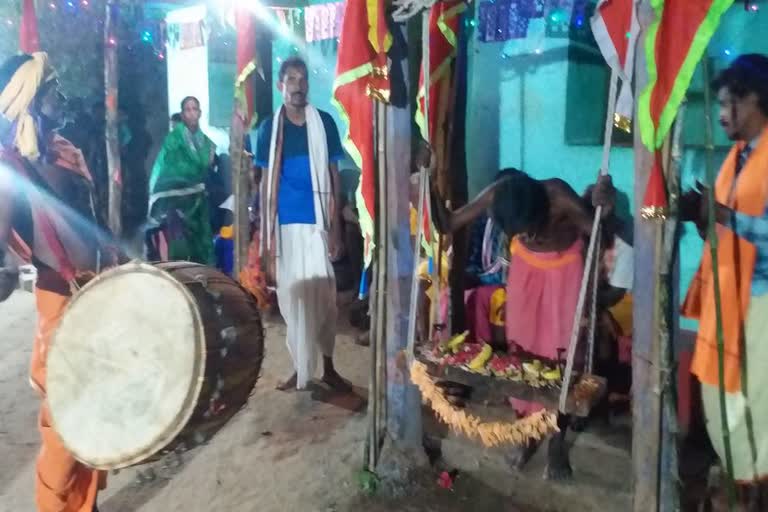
x: 47, y: 219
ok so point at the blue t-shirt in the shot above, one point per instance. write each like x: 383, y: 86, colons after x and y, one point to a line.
x: 295, y: 201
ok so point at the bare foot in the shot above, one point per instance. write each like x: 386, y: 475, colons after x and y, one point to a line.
x: 519, y: 456
x: 288, y: 384
x: 334, y: 380
x: 558, y: 460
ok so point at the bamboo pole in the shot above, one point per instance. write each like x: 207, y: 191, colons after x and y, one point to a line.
x: 111, y: 134
x: 384, y: 245
x: 713, y: 247
x: 669, y: 488
x: 377, y: 391
x: 371, y: 450
x: 435, y: 273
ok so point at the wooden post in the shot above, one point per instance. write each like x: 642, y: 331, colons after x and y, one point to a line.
x: 241, y: 192
x: 111, y: 127
x: 646, y: 403
x: 403, y: 401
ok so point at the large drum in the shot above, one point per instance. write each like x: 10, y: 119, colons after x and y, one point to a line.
x: 149, y: 359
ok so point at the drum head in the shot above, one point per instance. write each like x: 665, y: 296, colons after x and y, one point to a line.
x: 126, y: 366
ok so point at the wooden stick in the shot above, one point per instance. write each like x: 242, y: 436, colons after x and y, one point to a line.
x: 383, y: 247
x: 413, y: 306
x: 240, y: 173
x: 592, y: 254
x: 373, y: 413
x: 669, y: 488
x: 111, y: 131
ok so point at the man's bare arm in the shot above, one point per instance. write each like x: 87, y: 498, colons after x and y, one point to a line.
x: 448, y: 221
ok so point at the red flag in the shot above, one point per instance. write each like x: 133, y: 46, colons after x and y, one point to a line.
x: 29, y: 39
x: 444, y: 19
x: 654, y: 205
x: 616, y: 28
x: 676, y: 41
x: 246, y: 65
x: 361, y: 77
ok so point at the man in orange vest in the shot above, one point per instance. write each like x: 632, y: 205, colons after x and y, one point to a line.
x: 741, y: 192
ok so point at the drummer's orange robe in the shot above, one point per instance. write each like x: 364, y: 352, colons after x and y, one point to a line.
x: 62, y: 484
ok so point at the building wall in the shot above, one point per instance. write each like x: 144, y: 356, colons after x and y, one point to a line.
x: 188, y: 75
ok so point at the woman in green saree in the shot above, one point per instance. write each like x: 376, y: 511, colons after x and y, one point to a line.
x: 178, y: 201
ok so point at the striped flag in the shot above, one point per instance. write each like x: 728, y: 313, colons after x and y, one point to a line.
x: 616, y: 29
x: 362, y: 77
x: 675, y: 43
x: 444, y: 19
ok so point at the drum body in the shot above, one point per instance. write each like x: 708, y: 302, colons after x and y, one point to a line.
x: 151, y: 358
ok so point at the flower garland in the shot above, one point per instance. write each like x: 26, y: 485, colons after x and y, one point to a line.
x: 533, y: 427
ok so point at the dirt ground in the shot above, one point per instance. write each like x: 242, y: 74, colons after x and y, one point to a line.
x: 284, y: 452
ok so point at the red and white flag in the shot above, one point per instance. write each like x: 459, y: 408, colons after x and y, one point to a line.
x: 616, y: 28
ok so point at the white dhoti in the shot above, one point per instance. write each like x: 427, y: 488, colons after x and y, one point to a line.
x: 306, y: 294
x: 745, y: 467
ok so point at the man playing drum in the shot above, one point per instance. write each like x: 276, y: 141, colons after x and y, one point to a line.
x: 298, y: 151
x: 46, y: 218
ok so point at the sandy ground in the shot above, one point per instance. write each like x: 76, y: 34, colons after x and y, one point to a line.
x: 284, y: 452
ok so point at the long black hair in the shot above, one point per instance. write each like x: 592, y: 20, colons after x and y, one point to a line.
x: 520, y: 203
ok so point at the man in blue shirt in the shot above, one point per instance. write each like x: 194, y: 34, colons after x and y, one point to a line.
x: 298, y: 151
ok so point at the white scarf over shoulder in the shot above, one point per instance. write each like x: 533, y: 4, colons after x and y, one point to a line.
x: 319, y: 168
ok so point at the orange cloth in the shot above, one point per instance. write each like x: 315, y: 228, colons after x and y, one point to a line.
x: 62, y: 484
x: 251, y: 276
x: 736, y: 259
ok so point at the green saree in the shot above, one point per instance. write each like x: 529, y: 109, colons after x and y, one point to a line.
x: 177, y: 195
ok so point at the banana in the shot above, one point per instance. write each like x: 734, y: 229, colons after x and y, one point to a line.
x: 552, y: 374
x: 533, y: 368
x: 480, y: 360
x: 453, y: 344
